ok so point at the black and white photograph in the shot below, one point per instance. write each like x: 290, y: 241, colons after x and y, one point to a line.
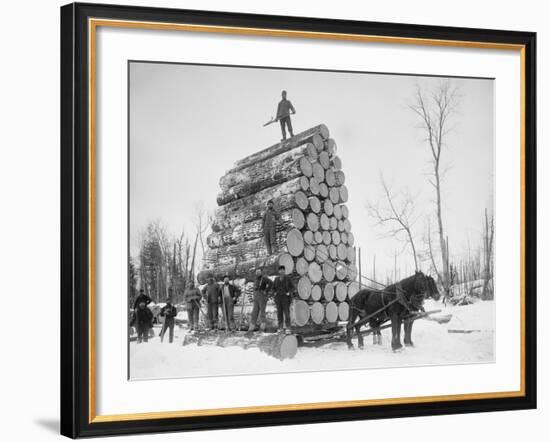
x: 298, y: 220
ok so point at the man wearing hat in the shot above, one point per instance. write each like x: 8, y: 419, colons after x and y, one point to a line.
x: 283, y: 288
x: 142, y: 320
x: 212, y: 293
x: 168, y: 312
x: 284, y: 109
x: 192, y: 298
x: 262, y: 286
x: 269, y: 226
x: 142, y: 297
x: 230, y: 294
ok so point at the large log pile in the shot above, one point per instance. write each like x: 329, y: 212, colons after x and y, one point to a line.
x: 303, y: 177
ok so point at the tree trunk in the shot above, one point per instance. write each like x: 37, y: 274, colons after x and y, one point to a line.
x: 343, y: 190
x: 254, y: 206
x: 316, y: 292
x: 256, y: 171
x: 328, y: 292
x: 309, y: 136
x: 323, y: 190
x: 318, y: 172
x: 246, y: 231
x: 315, y: 272
x: 331, y: 312
x: 330, y: 177
x: 328, y: 206
x: 299, y: 313
x: 312, y: 221
x: 301, y: 266
x: 280, y: 346
x: 334, y: 195
x: 329, y: 271
x: 270, y: 175
x: 304, y: 287
x: 290, y: 241
x: 340, y: 177
x: 341, y: 291
x: 330, y: 147
x: 244, y: 269
x: 343, y: 311
x: 324, y: 159
x: 317, y: 312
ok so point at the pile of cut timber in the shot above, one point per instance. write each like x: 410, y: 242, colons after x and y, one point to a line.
x: 303, y: 177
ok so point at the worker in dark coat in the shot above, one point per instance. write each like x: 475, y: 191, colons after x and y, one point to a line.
x: 169, y: 313
x: 143, y: 321
x: 284, y: 109
x: 262, y: 287
x: 142, y: 297
x: 192, y: 297
x: 230, y: 294
x: 269, y: 226
x: 283, y: 288
x: 212, y: 293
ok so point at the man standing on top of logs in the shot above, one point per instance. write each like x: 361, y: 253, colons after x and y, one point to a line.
x: 283, y: 288
x: 212, y: 293
x: 192, y: 297
x: 230, y: 294
x: 284, y: 109
x: 269, y: 226
x: 262, y: 286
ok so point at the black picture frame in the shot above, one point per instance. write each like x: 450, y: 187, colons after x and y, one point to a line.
x: 75, y: 220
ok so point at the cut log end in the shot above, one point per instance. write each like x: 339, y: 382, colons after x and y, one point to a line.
x: 315, y: 272
x: 300, y: 313
x: 331, y: 312
x: 288, y: 347
x: 295, y: 242
x: 317, y: 313
x: 286, y: 260
x: 343, y: 311
x: 304, y: 287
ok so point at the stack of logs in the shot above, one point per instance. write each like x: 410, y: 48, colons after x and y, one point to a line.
x: 303, y: 177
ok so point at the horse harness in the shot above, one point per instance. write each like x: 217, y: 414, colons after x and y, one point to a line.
x: 400, y: 297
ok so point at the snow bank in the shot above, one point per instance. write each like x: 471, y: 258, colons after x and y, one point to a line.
x: 434, y: 345
x: 474, y: 317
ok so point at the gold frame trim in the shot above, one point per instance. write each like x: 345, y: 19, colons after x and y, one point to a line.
x: 93, y: 24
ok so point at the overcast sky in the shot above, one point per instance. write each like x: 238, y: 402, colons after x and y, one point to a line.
x: 189, y: 124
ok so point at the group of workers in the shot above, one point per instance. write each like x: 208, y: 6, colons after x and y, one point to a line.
x: 227, y: 294
x: 142, y: 318
x: 215, y: 296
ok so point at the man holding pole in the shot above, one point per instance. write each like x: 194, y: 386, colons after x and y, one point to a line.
x: 284, y: 109
x: 262, y: 286
x: 283, y: 288
x: 168, y: 312
x: 230, y: 294
x: 212, y: 294
x: 192, y: 297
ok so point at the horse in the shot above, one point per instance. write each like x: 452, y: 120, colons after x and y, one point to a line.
x: 403, y: 299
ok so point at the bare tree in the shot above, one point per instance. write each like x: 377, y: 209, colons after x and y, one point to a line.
x: 435, y: 109
x: 488, y: 236
x: 202, y: 222
x: 429, y: 243
x: 396, y: 216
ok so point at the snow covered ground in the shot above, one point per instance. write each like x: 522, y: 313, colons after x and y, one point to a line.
x: 467, y: 338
